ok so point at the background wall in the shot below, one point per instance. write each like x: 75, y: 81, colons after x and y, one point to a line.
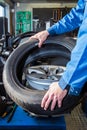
x: 43, y: 10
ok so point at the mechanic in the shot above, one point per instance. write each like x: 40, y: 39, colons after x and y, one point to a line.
x: 75, y: 75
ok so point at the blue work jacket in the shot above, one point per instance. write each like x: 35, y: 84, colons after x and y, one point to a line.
x: 75, y: 74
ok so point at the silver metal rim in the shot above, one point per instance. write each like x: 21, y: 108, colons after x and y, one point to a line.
x: 40, y: 77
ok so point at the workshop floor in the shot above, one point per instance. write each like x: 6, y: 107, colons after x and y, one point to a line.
x: 76, y: 120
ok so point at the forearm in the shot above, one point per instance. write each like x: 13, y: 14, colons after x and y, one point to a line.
x: 76, y: 70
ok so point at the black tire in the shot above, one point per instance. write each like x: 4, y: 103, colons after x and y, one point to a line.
x: 14, y: 42
x: 30, y: 99
x: 2, y: 90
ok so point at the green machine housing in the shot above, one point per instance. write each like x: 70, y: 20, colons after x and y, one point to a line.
x: 23, y: 21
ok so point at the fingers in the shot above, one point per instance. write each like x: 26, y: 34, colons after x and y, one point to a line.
x: 53, y: 96
x: 36, y: 37
x: 59, y: 103
x: 53, y: 103
x: 53, y: 99
x: 46, y: 101
x: 32, y: 37
x: 41, y: 36
x: 50, y: 99
x: 40, y: 43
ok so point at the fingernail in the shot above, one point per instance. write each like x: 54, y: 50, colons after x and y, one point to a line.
x: 45, y: 109
x: 59, y: 106
x: 42, y: 106
x: 51, y: 109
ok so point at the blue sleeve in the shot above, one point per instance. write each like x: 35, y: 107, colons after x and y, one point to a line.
x: 69, y: 22
x: 76, y: 70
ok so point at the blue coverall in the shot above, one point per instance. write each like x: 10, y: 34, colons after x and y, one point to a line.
x: 76, y: 70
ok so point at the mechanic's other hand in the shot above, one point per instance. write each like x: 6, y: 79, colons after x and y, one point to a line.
x: 54, y: 96
x: 41, y: 36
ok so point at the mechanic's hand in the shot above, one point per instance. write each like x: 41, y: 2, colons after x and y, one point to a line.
x: 55, y: 95
x: 41, y: 36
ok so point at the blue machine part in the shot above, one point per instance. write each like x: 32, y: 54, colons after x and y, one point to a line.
x: 22, y: 120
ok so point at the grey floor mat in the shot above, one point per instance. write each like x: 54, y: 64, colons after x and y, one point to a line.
x: 77, y: 120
